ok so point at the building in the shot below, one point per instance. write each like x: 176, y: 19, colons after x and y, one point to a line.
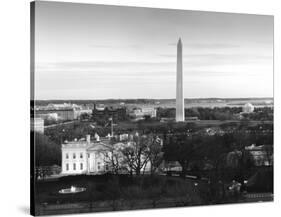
x: 118, y: 113
x: 64, y: 114
x: 262, y: 155
x: 52, y: 106
x: 123, y: 137
x: 49, y: 116
x: 37, y: 125
x: 149, y: 111
x: 180, y: 97
x: 84, y: 111
x: 248, y: 108
x: 194, y: 118
x: 141, y: 113
x: 85, y: 156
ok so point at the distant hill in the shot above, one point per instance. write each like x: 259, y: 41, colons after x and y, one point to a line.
x: 189, y: 102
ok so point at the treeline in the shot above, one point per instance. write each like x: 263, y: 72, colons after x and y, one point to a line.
x: 260, y: 114
x: 48, y: 145
x: 47, y: 152
x: 218, y: 152
x: 87, y: 102
x: 203, y: 113
x: 219, y: 113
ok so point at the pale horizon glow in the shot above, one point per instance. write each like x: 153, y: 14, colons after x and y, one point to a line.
x: 85, y: 51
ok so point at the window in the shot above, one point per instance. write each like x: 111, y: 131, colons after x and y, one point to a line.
x: 66, y: 156
x: 74, y: 166
x: 98, y: 165
x: 67, y: 167
x: 106, y: 167
x: 74, y: 156
x: 88, y: 155
x: 81, y: 155
x: 81, y: 166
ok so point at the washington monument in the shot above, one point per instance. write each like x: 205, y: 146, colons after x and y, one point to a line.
x: 180, y: 98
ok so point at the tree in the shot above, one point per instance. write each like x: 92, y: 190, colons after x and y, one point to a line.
x: 47, y: 153
x: 115, y: 158
x: 233, y: 159
x: 154, y: 152
x: 135, y: 154
x: 85, y: 116
x: 184, y: 149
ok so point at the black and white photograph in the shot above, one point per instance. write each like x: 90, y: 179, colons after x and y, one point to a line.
x: 145, y: 108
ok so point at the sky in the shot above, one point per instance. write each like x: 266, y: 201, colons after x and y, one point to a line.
x: 86, y: 51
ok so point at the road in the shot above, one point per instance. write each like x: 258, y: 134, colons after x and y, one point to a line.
x: 60, y: 124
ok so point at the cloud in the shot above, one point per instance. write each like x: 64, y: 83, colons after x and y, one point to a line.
x: 207, y: 45
x: 111, y: 46
x: 218, y: 59
x: 210, y: 45
x: 103, y: 66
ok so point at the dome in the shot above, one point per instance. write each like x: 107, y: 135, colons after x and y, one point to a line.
x: 248, y: 107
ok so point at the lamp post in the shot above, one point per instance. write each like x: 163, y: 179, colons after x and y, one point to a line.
x: 111, y: 119
x: 62, y: 136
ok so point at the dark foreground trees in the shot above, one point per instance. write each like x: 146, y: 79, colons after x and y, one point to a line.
x: 47, y: 153
x: 221, y: 153
x: 184, y: 149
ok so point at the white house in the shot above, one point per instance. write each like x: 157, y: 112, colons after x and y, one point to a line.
x: 85, y: 156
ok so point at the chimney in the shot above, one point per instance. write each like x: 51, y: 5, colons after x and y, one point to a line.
x: 88, y: 138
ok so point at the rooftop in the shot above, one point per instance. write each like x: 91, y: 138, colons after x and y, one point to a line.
x: 98, y: 143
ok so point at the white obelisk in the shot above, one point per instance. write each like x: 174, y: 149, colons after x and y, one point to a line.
x: 180, y: 98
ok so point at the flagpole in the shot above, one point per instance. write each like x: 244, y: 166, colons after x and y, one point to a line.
x: 111, y: 126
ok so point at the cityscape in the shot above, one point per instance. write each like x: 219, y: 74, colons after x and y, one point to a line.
x: 120, y: 152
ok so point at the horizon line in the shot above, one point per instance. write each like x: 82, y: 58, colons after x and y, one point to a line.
x: 271, y: 97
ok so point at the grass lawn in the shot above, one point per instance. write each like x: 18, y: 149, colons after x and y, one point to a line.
x: 111, y: 187
x: 112, y: 192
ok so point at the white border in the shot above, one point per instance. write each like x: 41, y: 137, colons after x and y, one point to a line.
x: 14, y: 143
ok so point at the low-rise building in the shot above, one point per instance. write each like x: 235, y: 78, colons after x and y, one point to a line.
x: 149, y: 111
x: 37, y: 125
x: 262, y: 155
x: 140, y: 113
x: 49, y: 116
x: 85, y: 156
x: 117, y: 113
x: 62, y: 114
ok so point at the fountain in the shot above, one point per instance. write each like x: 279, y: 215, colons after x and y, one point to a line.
x: 72, y: 190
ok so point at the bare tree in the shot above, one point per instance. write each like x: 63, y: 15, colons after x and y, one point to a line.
x: 115, y: 159
x: 135, y: 153
x: 154, y: 152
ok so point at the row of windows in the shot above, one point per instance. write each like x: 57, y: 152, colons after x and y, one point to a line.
x: 74, y: 166
x: 81, y: 166
x: 74, y: 155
